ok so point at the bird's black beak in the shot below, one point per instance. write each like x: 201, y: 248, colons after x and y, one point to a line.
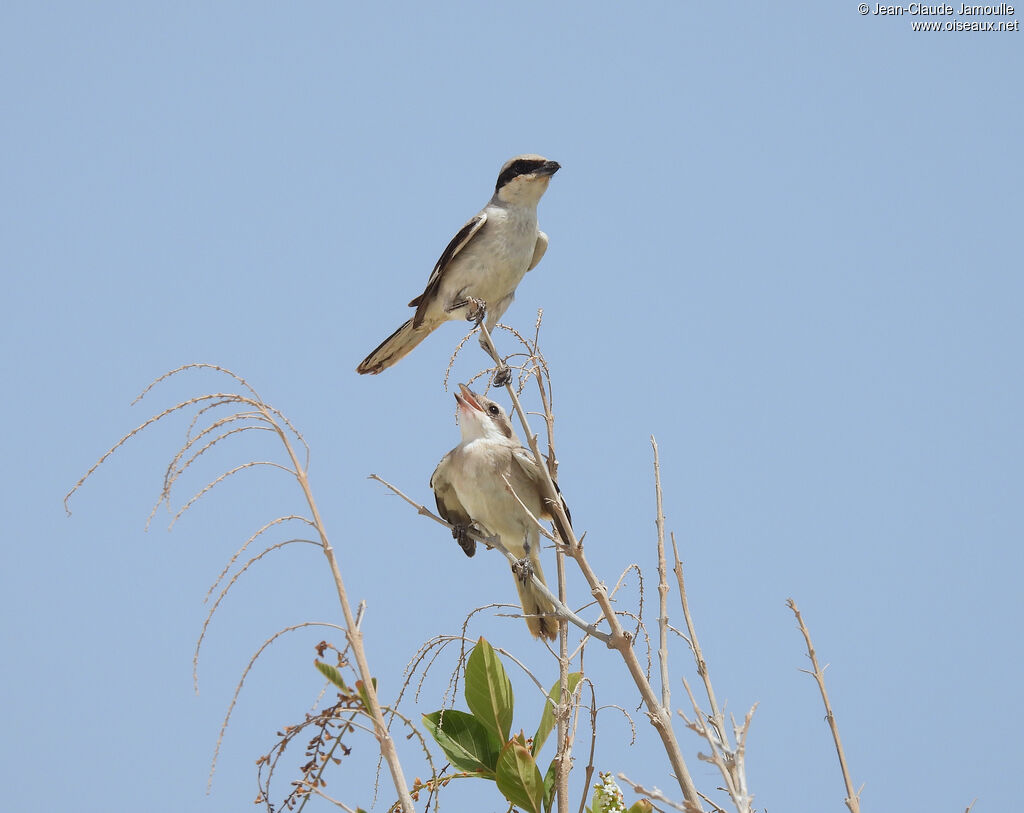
x: 548, y: 168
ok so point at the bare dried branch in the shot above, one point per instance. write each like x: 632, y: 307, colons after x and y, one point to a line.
x: 717, y: 718
x: 223, y: 594
x: 248, y: 542
x: 353, y: 633
x: 666, y: 695
x: 287, y: 433
x: 245, y: 674
x: 560, y: 609
x: 620, y: 640
x: 654, y: 793
x: 224, y: 476
x: 588, y: 773
x: 125, y: 438
x: 198, y: 365
x: 852, y: 797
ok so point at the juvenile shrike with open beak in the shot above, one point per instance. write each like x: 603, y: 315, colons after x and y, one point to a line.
x: 470, y: 488
x: 479, y: 271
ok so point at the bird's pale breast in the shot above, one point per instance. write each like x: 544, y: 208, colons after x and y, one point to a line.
x: 491, y: 267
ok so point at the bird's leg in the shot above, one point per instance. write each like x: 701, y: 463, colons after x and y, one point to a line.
x: 460, y: 533
x: 476, y: 311
x: 503, y: 374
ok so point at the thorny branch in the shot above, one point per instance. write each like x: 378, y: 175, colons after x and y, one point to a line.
x: 730, y: 760
x: 621, y: 641
x: 818, y: 673
x: 666, y: 696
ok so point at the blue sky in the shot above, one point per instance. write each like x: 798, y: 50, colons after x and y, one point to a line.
x: 785, y: 240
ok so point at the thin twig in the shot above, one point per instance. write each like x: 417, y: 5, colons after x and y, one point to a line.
x: 354, y: 635
x: 717, y: 717
x: 144, y: 425
x: 620, y: 640
x: 589, y: 771
x: 666, y: 696
x: 224, y: 476
x: 248, y: 542
x: 560, y: 609
x: 654, y: 793
x: 223, y: 595
x: 729, y: 759
x: 564, y: 751
x: 241, y: 682
x: 852, y: 797
x: 287, y: 433
x: 537, y: 523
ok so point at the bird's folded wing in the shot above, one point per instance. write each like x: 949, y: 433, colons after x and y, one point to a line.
x: 538, y: 250
x: 459, y: 241
x: 524, y: 465
x: 448, y: 504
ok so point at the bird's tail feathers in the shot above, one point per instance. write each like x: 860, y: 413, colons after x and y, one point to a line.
x: 395, y: 347
x: 535, y: 604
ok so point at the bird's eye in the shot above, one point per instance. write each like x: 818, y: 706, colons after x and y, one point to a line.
x: 524, y: 166
x: 493, y: 409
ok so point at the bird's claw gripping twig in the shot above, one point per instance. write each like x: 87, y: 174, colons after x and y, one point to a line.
x: 502, y: 376
x: 523, y: 569
x: 460, y: 533
x: 476, y: 310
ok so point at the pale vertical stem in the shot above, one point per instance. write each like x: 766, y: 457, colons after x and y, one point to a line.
x: 354, y: 635
x: 564, y: 710
x: 852, y: 797
x: 564, y: 755
x: 717, y: 717
x: 588, y: 773
x: 666, y: 692
x: 621, y: 641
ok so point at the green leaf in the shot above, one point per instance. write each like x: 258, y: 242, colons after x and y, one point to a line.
x: 488, y: 690
x: 641, y: 806
x: 549, y: 786
x: 519, y: 778
x: 547, y: 718
x: 468, y: 745
x: 333, y: 674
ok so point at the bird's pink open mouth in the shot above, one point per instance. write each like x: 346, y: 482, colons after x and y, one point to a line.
x: 465, y: 398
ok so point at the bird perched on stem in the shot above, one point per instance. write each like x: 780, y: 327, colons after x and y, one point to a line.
x: 477, y: 275
x: 477, y: 484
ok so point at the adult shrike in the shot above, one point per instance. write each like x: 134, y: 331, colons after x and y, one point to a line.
x: 479, y: 271
x: 471, y: 490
